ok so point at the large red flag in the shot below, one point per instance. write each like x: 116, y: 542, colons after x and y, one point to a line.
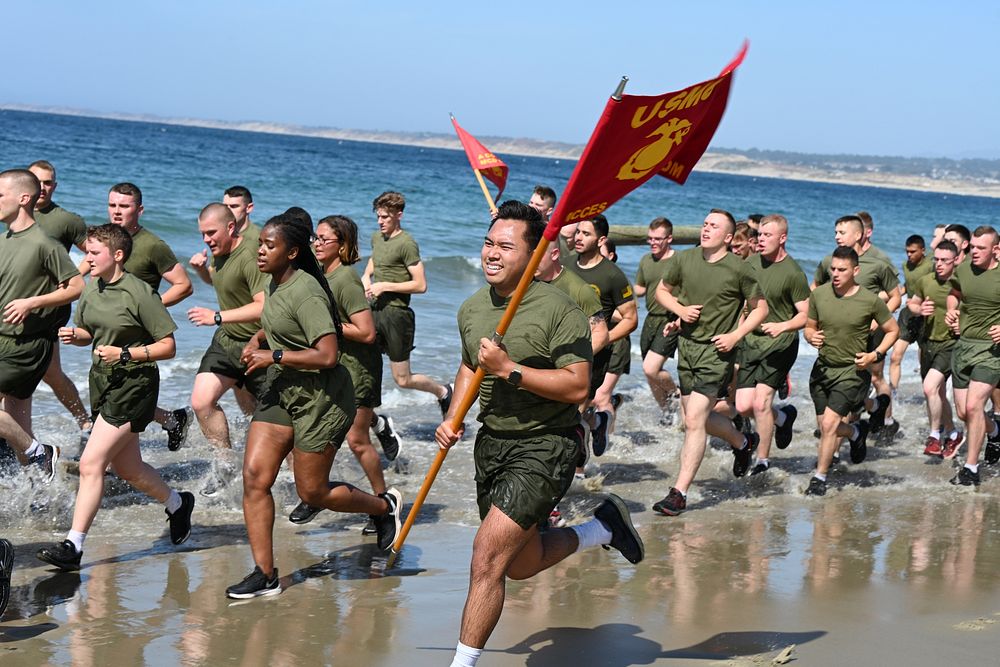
x: 483, y: 161
x: 638, y: 137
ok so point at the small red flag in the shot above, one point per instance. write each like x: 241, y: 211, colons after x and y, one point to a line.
x: 639, y: 137
x: 483, y: 161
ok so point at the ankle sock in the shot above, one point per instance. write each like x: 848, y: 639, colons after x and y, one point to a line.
x: 592, y: 534
x: 820, y: 477
x: 973, y: 468
x: 77, y: 538
x: 34, y: 449
x: 935, y: 434
x: 173, y: 501
x: 779, y: 417
x: 466, y: 656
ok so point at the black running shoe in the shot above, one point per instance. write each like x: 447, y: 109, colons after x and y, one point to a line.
x: 369, y: 528
x: 817, y: 433
x: 877, y: 419
x: 255, y: 585
x: 616, y: 401
x: 304, y: 513
x: 46, y: 461
x: 672, y: 505
x: 624, y: 537
x: 180, y: 521
x: 743, y: 424
x: 785, y: 389
x: 599, y: 434
x: 6, y: 567
x: 888, y: 432
x: 992, y: 453
x: 859, y: 445
x: 759, y: 468
x: 445, y: 403
x: 965, y: 477
x: 783, y: 433
x: 385, y: 431
x: 817, y: 487
x: 62, y: 554
x: 388, y: 524
x: 742, y: 458
x: 178, y: 434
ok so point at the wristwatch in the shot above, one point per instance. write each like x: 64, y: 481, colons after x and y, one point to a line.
x: 218, y: 319
x: 515, y: 377
x: 276, y: 356
x: 879, y: 356
x: 125, y: 356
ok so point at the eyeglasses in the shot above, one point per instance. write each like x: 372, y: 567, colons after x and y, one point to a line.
x: 320, y: 240
x: 656, y: 239
x: 944, y: 260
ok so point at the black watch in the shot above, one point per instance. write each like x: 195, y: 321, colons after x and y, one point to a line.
x: 125, y: 356
x: 879, y: 356
x: 515, y: 377
x: 218, y: 319
x: 276, y: 356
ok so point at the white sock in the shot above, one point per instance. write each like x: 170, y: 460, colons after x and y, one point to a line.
x: 77, y: 538
x: 466, y: 656
x: 935, y: 434
x: 820, y: 477
x: 779, y: 417
x: 592, y: 534
x: 767, y: 464
x: 973, y: 468
x: 174, y: 501
x: 953, y: 434
x: 34, y: 449
x: 889, y: 421
x: 854, y: 432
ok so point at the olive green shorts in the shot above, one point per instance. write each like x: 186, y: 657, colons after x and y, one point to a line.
x: 599, y: 369
x: 766, y: 366
x: 975, y: 361
x: 910, y: 325
x: 652, y: 339
x: 841, y: 388
x: 124, y: 394
x: 223, y: 358
x: 621, y: 356
x: 702, y: 369
x: 23, y: 362
x: 524, y: 476
x: 318, y: 406
x: 366, y: 378
x: 936, y: 355
x: 395, y: 328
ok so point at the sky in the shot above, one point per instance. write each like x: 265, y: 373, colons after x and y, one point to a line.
x: 876, y: 78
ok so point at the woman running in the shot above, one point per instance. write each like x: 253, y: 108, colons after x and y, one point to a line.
x: 308, y: 405
x: 130, y: 330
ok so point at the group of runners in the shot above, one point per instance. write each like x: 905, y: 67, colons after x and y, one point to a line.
x: 300, y: 337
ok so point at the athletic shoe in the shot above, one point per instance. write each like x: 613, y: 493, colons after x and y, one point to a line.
x: 219, y: 478
x: 445, y: 403
x: 742, y: 458
x: 816, y: 433
x: 178, y: 434
x: 672, y: 505
x: 965, y: 477
x: 933, y: 446
x: 817, y: 487
x: 369, y: 528
x: 599, y: 434
x: 6, y: 566
x: 951, y: 445
x: 385, y: 431
x: 556, y: 519
x: 759, y: 468
x: 254, y: 585
x: 616, y: 401
x: 786, y: 388
x: 62, y: 554
x: 992, y: 453
x: 783, y: 433
x: 46, y: 461
x: 624, y: 537
x: 180, y: 521
x: 388, y: 524
x: 743, y: 424
x: 859, y: 445
x: 888, y: 432
x: 303, y: 513
x: 877, y: 419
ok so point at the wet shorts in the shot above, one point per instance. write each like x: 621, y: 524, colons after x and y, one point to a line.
x: 702, y: 369
x: 910, y: 325
x: 652, y: 339
x: 621, y: 356
x: 223, y: 358
x: 23, y: 362
x: 395, y: 328
x: 841, y: 388
x: 318, y: 406
x: 766, y: 366
x: 124, y: 394
x: 975, y: 361
x: 936, y: 355
x: 366, y: 375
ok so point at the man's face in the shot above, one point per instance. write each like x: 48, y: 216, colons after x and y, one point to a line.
x: 47, y: 179
x: 957, y: 239
x: 842, y: 273
x: 123, y: 210
x: 716, y: 231
x: 505, y: 254
x: 982, y: 249
x: 914, y: 253
x: 102, y: 260
x: 10, y: 201
x: 541, y: 205
x: 944, y: 264
x: 847, y: 235
x: 770, y: 238
x: 240, y: 207
x: 217, y: 234
x: 586, y: 240
x: 388, y: 221
x: 658, y: 241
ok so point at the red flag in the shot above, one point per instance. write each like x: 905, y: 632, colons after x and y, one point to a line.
x: 483, y: 161
x: 638, y: 137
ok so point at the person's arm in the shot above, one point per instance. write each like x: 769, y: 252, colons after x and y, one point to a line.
x: 417, y: 284
x: 360, y: 327
x: 951, y: 316
x: 628, y: 323
x: 599, y: 338
x: 775, y: 329
x: 322, y: 354
x: 66, y: 292
x: 569, y: 384
x: 165, y: 348
x: 865, y: 359
x: 366, y: 277
x: 445, y: 435
x: 180, y: 285
x: 665, y: 297
x: 894, y: 299
x: 199, y: 262
x: 758, y: 313
x: 75, y: 336
x: 251, y: 312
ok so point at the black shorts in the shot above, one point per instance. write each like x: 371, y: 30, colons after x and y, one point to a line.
x: 395, y: 329
x: 223, y: 358
x: 621, y: 356
x: 23, y: 362
x: 841, y: 388
x: 651, y: 339
x: 124, y: 394
x: 769, y: 367
x: 910, y: 325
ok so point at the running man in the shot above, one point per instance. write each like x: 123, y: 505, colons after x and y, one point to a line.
x: 767, y: 355
x: 911, y: 324
x: 839, y: 325
x: 394, y: 272
x: 543, y: 200
x: 129, y: 330
x: 239, y: 290
x: 37, y: 278
x: 526, y: 448
x: 239, y: 200
x: 929, y: 303
x: 715, y: 285
x: 961, y: 237
x: 974, y: 313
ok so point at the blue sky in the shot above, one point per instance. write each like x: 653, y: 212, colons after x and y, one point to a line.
x: 891, y: 78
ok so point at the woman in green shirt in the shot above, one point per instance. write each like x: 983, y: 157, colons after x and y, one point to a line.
x: 130, y: 330
x: 307, y: 406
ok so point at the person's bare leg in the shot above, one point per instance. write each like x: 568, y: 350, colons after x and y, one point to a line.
x: 66, y: 391
x: 975, y: 419
x: 406, y: 379
x: 697, y: 408
x: 246, y: 400
x: 896, y: 362
x: 208, y: 389
x: 661, y: 384
x: 104, y: 444
x: 602, y: 398
x: 933, y: 384
x: 15, y: 425
x: 312, y: 482
x: 359, y: 440
x: 763, y: 413
x: 267, y: 445
x: 832, y: 428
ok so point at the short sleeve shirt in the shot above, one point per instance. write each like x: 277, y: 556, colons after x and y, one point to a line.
x: 296, y: 313
x: 252, y: 236
x: 150, y: 258
x: 649, y: 275
x: 980, y: 305
x: 845, y: 321
x: 67, y: 228
x: 237, y: 280
x: 874, y: 274
x: 582, y: 294
x: 349, y: 293
x: 32, y: 264
x: 911, y: 274
x: 125, y: 313
x: 929, y: 287
x: 783, y: 284
x: 391, y: 259
x: 609, y: 282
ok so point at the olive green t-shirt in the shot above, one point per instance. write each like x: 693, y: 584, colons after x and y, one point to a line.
x: 567, y: 252
x: 721, y: 288
x: 32, y: 264
x: 67, y: 228
x: 237, y: 280
x: 349, y: 293
x: 391, y: 259
x: 150, y: 258
x: 649, y: 275
x: 845, y: 322
x: 877, y: 253
x: 979, y: 308
x: 582, y: 294
x: 929, y: 287
x: 549, y: 331
x: 783, y: 284
x: 875, y: 275
x: 911, y: 274
x: 125, y: 313
x: 252, y: 236
x: 608, y: 282
x: 296, y: 314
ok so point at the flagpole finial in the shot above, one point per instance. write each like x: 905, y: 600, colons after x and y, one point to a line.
x: 451, y: 115
x: 620, y: 90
